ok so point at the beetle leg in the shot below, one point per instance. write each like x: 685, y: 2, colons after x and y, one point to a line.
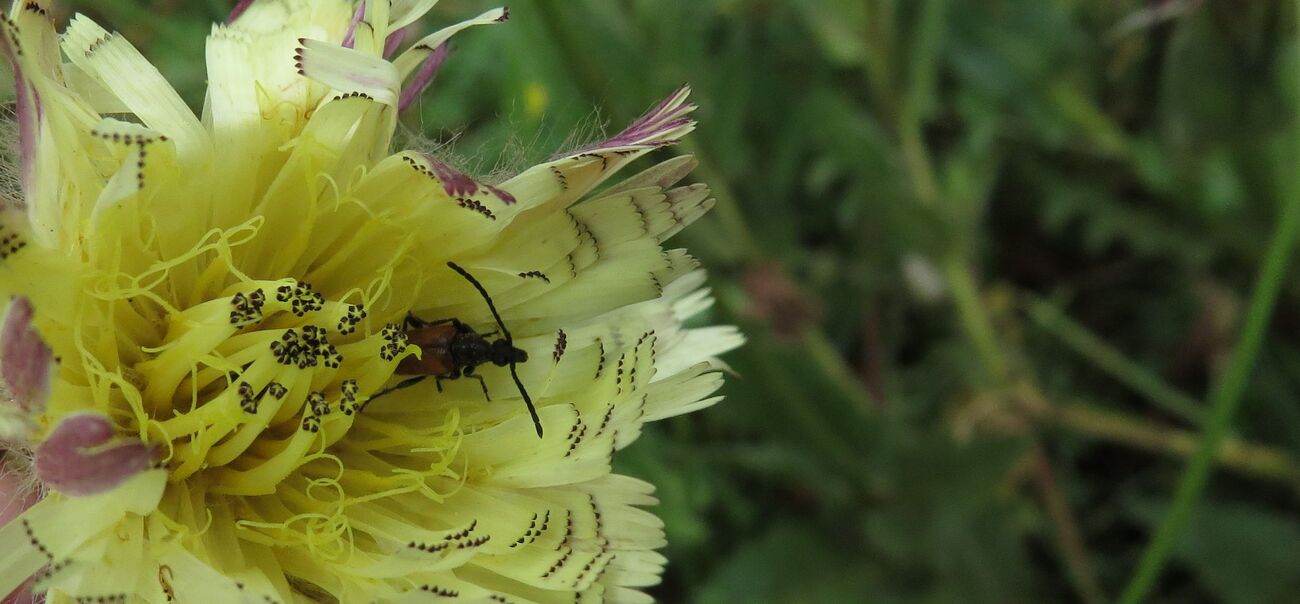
x: 413, y: 322
x: 438, y: 381
x: 407, y: 383
x: 483, y: 385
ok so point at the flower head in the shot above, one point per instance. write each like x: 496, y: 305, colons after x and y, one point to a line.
x: 220, y: 321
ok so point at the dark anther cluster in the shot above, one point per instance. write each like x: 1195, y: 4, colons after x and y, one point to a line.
x: 302, y: 298
x: 348, y: 322
x: 394, y: 342
x: 349, y: 403
x: 247, y: 309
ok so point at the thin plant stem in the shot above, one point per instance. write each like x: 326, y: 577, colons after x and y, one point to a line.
x: 1247, y: 459
x: 974, y: 317
x: 1105, y: 357
x: 1072, y: 547
x: 919, y: 89
x: 823, y: 354
x: 958, y: 273
x: 1224, y: 401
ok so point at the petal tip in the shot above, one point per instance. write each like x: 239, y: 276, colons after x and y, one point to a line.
x: 26, y: 362
x: 79, y: 459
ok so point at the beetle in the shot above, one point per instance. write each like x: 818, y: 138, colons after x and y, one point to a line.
x: 450, y: 349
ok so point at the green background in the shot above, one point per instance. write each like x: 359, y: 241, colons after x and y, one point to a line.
x: 995, y: 260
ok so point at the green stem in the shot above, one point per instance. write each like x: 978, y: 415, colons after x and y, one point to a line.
x: 974, y: 318
x: 926, y: 187
x: 1223, y: 404
x: 1068, y: 535
x: 1247, y: 459
x: 879, y: 60
x: 1110, y: 360
x: 920, y: 89
x: 824, y: 355
x: 817, y: 428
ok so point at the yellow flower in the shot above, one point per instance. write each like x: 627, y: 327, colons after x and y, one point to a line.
x: 205, y: 309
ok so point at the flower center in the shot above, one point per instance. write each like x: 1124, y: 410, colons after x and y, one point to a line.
x: 254, y: 388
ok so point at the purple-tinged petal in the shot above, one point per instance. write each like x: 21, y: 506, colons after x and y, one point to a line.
x: 28, y: 109
x: 238, y: 10
x: 395, y: 39
x: 422, y: 78
x: 24, y: 595
x: 456, y: 183
x: 29, y: 119
x: 26, y: 363
x: 350, y: 38
x: 650, y: 130
x: 15, y: 497
x: 78, y: 458
x: 505, y: 197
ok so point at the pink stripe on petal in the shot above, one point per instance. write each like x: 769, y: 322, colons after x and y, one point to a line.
x: 504, y: 196
x: 424, y: 77
x: 29, y: 117
x: 666, y: 116
x: 26, y: 363
x: 15, y: 497
x: 28, y: 113
x: 24, y: 595
x: 454, y: 182
x: 350, y: 38
x: 459, y: 185
x: 238, y: 10
x: 77, y: 458
x: 395, y: 39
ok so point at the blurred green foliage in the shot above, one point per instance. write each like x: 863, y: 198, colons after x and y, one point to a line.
x: 990, y: 255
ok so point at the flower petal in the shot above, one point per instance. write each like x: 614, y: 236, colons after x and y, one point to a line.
x: 661, y: 125
x: 420, y: 82
x: 238, y: 10
x: 348, y: 70
x: 562, y: 182
x: 77, y: 458
x: 350, y: 38
x: 408, y: 61
x: 28, y: 102
x: 121, y: 69
x: 406, y: 12
x: 26, y: 362
x: 394, y: 40
x: 28, y: 108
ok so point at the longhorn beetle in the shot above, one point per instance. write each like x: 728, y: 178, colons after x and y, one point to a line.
x: 450, y: 349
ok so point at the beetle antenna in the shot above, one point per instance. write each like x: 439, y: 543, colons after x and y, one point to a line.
x: 532, y: 410
x: 492, y: 307
x: 537, y: 421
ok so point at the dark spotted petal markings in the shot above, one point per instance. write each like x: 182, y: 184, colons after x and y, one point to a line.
x: 457, y: 184
x: 26, y: 363
x: 80, y: 458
